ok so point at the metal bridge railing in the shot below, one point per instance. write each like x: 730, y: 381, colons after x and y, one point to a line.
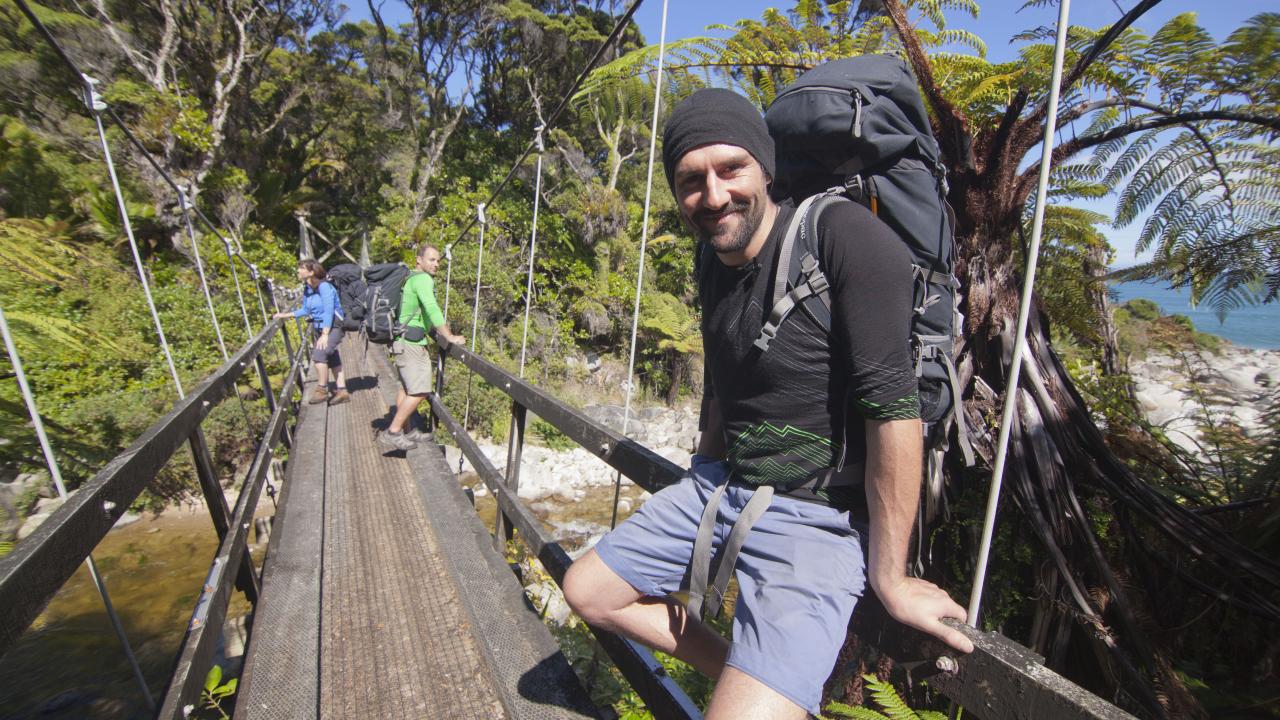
x: 999, y: 679
x: 40, y: 565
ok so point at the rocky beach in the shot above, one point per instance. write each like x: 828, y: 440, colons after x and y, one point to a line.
x: 1180, y: 392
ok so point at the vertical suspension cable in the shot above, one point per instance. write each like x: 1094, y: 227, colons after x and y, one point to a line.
x: 185, y: 203
x: 56, y: 474
x: 533, y: 247
x: 96, y: 105
x: 231, y: 260
x: 475, y: 319
x: 1024, y: 310
x: 644, y: 237
x: 448, y: 278
x: 257, y: 291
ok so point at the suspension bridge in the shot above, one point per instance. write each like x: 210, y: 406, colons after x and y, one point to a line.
x: 382, y: 593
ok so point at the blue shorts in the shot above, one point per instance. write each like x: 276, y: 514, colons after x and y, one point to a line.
x: 800, y: 574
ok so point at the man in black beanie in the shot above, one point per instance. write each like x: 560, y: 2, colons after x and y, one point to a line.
x: 808, y: 451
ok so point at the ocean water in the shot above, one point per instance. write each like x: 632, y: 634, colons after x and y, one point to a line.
x: 1256, y: 326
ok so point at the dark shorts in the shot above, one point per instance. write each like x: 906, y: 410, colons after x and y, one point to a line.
x: 329, y: 354
x: 800, y: 573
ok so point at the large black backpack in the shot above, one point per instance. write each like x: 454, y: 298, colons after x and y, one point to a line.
x: 382, y: 301
x: 856, y: 130
x: 348, y: 280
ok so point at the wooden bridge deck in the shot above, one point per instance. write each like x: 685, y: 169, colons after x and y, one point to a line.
x: 382, y: 595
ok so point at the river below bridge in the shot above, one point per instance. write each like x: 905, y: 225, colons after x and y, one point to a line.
x: 69, y: 664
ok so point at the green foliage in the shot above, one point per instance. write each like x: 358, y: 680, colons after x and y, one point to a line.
x: 887, y: 697
x: 549, y: 437
x: 215, y: 692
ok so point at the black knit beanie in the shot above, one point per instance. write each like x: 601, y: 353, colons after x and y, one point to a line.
x: 713, y: 116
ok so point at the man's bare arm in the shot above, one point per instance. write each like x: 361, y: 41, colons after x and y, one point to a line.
x: 711, y: 442
x: 894, y: 452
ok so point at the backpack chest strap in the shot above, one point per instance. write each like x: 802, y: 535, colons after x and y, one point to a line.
x: 812, y: 282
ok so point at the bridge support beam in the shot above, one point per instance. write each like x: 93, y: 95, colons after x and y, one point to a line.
x: 502, y: 531
x: 219, y: 512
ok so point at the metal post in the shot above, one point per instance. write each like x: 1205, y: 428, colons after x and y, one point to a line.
x: 219, y: 511
x: 644, y: 237
x: 56, y: 475
x: 1024, y: 310
x: 304, y: 239
x: 515, y: 448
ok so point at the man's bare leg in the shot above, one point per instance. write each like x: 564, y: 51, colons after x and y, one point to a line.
x: 406, y: 406
x: 606, y: 601
x: 738, y: 696
x: 342, y: 378
x: 322, y: 375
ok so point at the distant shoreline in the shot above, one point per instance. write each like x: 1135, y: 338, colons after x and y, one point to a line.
x: 1256, y: 326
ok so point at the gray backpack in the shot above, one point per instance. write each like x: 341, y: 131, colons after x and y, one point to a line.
x: 856, y: 130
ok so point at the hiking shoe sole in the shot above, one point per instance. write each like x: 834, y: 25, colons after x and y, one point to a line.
x: 396, y: 442
x: 339, y: 397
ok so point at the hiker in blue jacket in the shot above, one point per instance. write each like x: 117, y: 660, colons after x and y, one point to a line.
x: 815, y: 445
x: 320, y: 305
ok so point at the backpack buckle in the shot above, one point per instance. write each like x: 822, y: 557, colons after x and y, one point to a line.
x: 855, y: 187
x: 767, y: 334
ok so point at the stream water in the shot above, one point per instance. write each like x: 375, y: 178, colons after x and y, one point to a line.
x: 69, y: 664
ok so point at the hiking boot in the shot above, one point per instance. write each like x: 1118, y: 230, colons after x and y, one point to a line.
x: 396, y: 441
x: 418, y: 436
x: 339, y: 397
x: 319, y: 395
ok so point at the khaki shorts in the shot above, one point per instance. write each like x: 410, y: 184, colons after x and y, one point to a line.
x: 415, y: 367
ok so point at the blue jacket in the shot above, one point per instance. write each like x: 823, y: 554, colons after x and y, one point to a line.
x: 320, y: 304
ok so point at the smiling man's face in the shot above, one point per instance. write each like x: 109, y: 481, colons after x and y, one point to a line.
x: 723, y: 193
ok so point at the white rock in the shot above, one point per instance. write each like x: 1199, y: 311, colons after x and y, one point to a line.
x: 30, y: 524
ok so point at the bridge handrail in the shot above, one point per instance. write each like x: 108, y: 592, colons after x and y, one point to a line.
x: 39, y: 566
x: 198, y: 646
x: 999, y: 679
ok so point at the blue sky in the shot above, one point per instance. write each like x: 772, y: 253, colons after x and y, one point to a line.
x: 998, y: 21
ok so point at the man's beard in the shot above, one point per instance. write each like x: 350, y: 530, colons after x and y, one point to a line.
x: 736, y: 240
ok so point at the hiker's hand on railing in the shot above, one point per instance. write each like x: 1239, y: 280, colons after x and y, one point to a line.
x: 282, y: 315
x: 922, y: 605
x: 457, y: 340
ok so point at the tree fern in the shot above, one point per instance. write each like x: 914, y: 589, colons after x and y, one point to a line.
x: 894, y: 707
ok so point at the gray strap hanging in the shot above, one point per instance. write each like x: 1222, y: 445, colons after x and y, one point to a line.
x: 707, y: 601
x: 700, y: 562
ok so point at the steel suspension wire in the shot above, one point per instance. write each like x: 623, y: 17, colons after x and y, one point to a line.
x: 185, y: 204
x: 448, y: 278
x: 128, y: 133
x: 533, y: 247
x: 475, y: 318
x: 616, y: 33
x: 96, y: 105
x: 1024, y: 310
x: 55, y: 473
x: 248, y: 327
x: 644, y: 237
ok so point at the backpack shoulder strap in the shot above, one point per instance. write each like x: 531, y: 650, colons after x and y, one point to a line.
x: 798, y: 268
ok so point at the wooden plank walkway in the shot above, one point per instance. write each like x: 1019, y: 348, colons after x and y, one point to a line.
x: 374, y: 607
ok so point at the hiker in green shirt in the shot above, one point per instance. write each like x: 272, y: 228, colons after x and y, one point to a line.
x: 418, y: 309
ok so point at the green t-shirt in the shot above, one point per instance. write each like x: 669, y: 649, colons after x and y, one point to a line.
x: 418, y: 301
